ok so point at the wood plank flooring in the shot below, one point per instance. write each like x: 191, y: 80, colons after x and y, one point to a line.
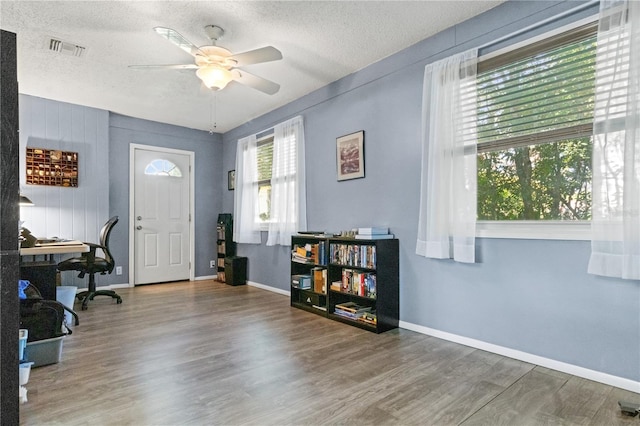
x: 204, y: 353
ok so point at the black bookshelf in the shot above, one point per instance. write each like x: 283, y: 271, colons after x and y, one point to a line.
x: 224, y: 243
x: 313, y: 298
x: 360, y: 282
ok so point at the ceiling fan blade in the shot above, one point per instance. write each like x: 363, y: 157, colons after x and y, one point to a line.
x: 172, y: 67
x: 264, y: 54
x: 176, y: 38
x: 255, y: 82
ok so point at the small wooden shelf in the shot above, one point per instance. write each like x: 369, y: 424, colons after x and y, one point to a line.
x: 51, y: 167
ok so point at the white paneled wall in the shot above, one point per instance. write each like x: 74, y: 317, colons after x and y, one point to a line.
x: 75, y: 213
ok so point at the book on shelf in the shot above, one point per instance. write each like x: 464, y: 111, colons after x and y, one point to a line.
x: 373, y: 231
x: 222, y: 247
x: 363, y: 256
x: 347, y: 276
x: 302, y: 281
x: 369, y: 318
x: 319, y: 280
x: 351, y: 310
x: 346, y: 314
x: 310, y: 253
x: 221, y: 232
x: 353, y: 307
x: 374, y: 236
x: 357, y: 282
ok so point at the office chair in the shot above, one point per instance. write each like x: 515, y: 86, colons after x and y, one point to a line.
x: 90, y: 264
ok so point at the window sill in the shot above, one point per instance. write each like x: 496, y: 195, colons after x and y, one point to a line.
x: 534, y: 230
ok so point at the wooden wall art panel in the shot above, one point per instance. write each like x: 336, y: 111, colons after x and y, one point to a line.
x: 52, y: 167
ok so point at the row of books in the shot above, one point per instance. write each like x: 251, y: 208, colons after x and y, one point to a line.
x: 221, y: 232
x: 363, y: 256
x: 317, y: 280
x: 310, y: 253
x: 356, y: 282
x: 356, y: 312
x: 222, y: 247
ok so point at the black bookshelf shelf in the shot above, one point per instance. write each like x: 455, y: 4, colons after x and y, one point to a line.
x: 366, y: 271
x: 314, y: 298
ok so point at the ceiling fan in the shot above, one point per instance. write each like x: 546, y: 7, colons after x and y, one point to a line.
x: 217, y: 66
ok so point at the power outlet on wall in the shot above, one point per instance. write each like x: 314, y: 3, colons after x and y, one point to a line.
x: 212, y: 264
x: 118, y: 270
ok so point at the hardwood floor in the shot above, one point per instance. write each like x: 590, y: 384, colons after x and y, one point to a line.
x: 204, y: 353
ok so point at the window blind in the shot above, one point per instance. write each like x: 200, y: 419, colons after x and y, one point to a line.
x: 265, y: 160
x: 540, y: 94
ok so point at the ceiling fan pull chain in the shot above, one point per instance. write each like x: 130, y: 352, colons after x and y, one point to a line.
x: 213, y: 110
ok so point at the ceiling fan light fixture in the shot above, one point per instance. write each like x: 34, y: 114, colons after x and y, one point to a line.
x: 214, y: 76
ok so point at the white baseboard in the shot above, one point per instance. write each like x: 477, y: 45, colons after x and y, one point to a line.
x: 123, y: 285
x: 269, y: 288
x: 205, y: 277
x: 564, y: 367
x: 106, y: 287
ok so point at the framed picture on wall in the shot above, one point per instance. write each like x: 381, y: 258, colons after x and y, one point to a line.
x: 231, y: 180
x: 350, y: 156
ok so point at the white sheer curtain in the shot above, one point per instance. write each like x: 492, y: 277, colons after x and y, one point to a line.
x: 288, y: 187
x: 447, y: 217
x: 615, y: 224
x: 245, y: 197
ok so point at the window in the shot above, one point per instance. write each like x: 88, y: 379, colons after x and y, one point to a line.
x: 162, y: 168
x: 265, y: 164
x: 535, y: 121
x: 270, y: 185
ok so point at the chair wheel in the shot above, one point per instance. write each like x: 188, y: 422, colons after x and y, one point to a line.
x: 118, y: 301
x: 85, y: 307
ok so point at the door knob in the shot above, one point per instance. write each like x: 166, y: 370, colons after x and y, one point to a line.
x: 138, y: 227
x: 139, y: 217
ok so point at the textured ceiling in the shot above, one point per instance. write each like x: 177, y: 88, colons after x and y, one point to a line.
x: 321, y: 42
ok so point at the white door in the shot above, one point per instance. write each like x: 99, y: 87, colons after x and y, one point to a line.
x: 161, y: 216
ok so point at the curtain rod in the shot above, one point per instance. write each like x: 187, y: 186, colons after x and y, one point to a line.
x: 569, y: 12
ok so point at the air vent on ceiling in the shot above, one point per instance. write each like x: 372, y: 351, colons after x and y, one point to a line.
x: 66, y: 48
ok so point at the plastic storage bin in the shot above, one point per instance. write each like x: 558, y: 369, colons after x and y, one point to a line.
x: 44, y: 352
x: 25, y: 371
x: 24, y: 333
x: 66, y: 294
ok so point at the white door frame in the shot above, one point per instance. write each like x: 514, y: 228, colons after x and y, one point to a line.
x: 192, y: 250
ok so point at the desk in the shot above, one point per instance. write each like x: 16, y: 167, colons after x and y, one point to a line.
x: 42, y: 274
x: 55, y: 248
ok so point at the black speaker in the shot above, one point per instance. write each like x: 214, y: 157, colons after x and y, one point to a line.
x: 235, y: 269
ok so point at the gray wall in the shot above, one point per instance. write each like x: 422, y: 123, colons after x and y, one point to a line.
x: 76, y: 213
x: 102, y: 140
x: 532, y: 296
x: 66, y: 212
x: 209, y: 178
